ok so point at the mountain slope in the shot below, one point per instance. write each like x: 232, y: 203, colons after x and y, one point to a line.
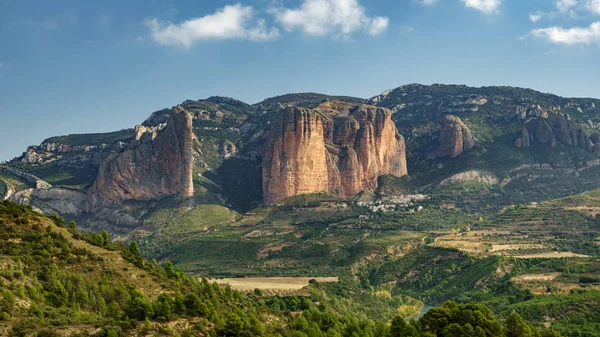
x: 519, y: 145
x: 57, y: 282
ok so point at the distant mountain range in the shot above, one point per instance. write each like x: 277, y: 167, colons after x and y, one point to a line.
x: 529, y: 145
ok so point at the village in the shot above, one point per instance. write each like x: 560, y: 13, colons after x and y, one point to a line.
x: 406, y: 203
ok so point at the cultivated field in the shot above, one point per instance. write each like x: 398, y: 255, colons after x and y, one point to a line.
x: 271, y: 283
x: 518, y: 244
x: 536, y: 277
x: 550, y: 255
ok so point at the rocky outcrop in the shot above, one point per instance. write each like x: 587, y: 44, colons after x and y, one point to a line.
x: 156, y: 164
x: 335, y: 148
x: 227, y: 149
x: 30, y: 178
x: 531, y: 111
x: 553, y: 130
x: 595, y: 141
x: 455, y: 137
x: 55, y: 200
x: 10, y: 190
x: 524, y: 140
x: 70, y: 155
x: 473, y: 175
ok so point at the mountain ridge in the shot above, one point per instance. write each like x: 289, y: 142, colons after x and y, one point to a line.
x: 230, y: 136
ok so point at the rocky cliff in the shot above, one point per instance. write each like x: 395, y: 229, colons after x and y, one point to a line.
x: 552, y: 130
x: 303, y: 143
x: 455, y: 137
x: 156, y: 164
x: 335, y: 148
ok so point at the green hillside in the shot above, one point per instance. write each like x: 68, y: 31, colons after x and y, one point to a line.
x: 93, y: 139
x: 55, y: 281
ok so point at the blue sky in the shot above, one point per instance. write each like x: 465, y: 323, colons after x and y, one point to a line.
x: 72, y: 66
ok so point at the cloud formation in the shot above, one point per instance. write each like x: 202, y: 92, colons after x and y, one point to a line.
x: 535, y: 17
x: 573, y: 9
x: 485, y: 6
x: 593, y: 6
x: 427, y: 2
x: 565, y: 5
x: 230, y: 22
x: 329, y: 17
x: 569, y: 36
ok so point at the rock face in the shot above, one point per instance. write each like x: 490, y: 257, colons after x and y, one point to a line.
x: 553, y: 130
x: 473, y: 175
x: 55, y: 200
x: 455, y: 137
x: 524, y: 140
x: 156, y: 164
x: 335, y: 148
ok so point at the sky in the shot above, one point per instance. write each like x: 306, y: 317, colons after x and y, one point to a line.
x: 72, y: 66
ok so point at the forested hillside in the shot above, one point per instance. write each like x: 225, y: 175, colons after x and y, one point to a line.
x: 55, y: 281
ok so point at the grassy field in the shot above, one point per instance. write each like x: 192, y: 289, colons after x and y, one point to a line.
x: 271, y: 283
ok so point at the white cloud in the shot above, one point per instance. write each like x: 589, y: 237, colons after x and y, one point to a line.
x: 535, y: 17
x: 569, y: 9
x: 565, y: 5
x: 325, y: 17
x: 594, y: 6
x: 427, y: 2
x: 378, y: 25
x: 569, y: 36
x: 230, y: 22
x: 485, y: 6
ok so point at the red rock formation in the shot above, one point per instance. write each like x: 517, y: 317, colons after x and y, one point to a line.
x: 156, y: 164
x: 455, y: 137
x: 335, y: 148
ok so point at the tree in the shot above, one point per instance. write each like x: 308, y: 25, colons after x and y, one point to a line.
x: 234, y: 325
x: 113, y: 310
x: 106, y: 238
x: 163, y: 307
x: 56, y: 293
x: 550, y: 333
x: 399, y: 328
x: 301, y: 323
x: 192, y: 304
x: 59, y: 221
x: 134, y: 254
x: 170, y: 270
x: 134, y: 249
x: 8, y: 301
x: 517, y: 327
x: 138, y: 306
